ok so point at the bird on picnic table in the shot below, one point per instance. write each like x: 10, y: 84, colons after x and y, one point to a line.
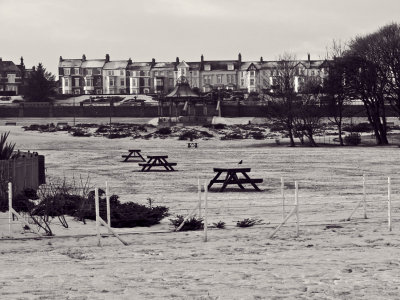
x: 240, y: 162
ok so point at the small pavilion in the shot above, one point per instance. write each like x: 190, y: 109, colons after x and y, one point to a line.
x: 183, y: 105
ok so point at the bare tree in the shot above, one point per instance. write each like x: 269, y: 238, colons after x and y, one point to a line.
x: 281, y: 106
x: 308, y: 113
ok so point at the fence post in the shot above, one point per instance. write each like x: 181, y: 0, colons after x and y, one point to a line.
x: 364, y: 198
x: 283, y: 197
x: 205, y: 210
x: 96, y: 193
x: 10, y: 214
x: 199, y: 194
x: 108, y: 205
x: 389, y: 204
x: 296, y: 202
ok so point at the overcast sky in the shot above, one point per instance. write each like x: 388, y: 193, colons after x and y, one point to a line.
x: 42, y: 30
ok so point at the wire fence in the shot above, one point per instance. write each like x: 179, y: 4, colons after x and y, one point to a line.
x: 318, y: 202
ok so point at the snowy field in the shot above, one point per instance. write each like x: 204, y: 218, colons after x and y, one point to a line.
x: 357, y: 259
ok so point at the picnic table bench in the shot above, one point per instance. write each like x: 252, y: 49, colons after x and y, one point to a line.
x: 232, y: 178
x: 157, y: 161
x: 133, y: 154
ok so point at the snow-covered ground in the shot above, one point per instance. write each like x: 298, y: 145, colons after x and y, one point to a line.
x: 357, y: 259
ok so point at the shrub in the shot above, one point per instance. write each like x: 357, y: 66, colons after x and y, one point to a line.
x: 353, y: 139
x: 257, y: 135
x: 118, y: 135
x: 164, y: 131
x: 6, y: 149
x: 191, y: 224
x: 188, y: 135
x: 248, y: 222
x: 219, y: 224
x: 219, y: 126
x: 79, y: 132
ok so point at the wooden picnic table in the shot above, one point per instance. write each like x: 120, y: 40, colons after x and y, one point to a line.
x: 157, y: 161
x: 133, y: 154
x: 232, y: 178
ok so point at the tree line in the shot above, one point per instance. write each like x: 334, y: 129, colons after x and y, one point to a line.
x: 367, y: 69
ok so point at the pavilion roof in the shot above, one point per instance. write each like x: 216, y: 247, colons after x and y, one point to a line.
x: 182, y: 90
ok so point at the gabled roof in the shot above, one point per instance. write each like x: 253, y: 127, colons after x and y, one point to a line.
x: 182, y: 64
x: 93, y: 63
x: 8, y: 66
x: 118, y: 64
x: 195, y: 66
x: 70, y: 63
x: 246, y: 65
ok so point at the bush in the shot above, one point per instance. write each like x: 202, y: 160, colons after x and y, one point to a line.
x: 164, y: 131
x: 191, y: 224
x: 188, y: 135
x: 353, y: 139
x: 219, y: 225
x: 257, y: 135
x: 219, y: 126
x: 79, y: 132
x: 6, y: 149
x: 248, y: 222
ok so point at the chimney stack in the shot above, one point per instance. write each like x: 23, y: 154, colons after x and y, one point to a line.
x: 107, y: 58
x: 308, y: 56
x: 153, y: 62
x: 22, y: 61
x: 130, y: 61
x: 240, y: 59
x: 177, y: 60
x: 83, y: 57
x: 61, y: 59
x: 202, y: 58
x: 261, y: 59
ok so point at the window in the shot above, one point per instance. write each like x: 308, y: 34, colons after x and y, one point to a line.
x: 161, y: 73
x: 207, y: 79
x: 67, y: 71
x: 159, y: 82
x: 156, y: 73
x: 242, y: 82
x: 252, y: 81
x: 111, y: 81
x: 207, y: 67
x: 11, y: 78
x: 252, y: 73
x: 170, y: 73
x: 219, y: 78
x: 122, y: 81
x: 76, y: 71
x: 89, y: 82
x: 243, y: 74
x: 97, y: 71
x: 146, y: 82
x: 134, y: 82
x: 66, y: 82
x: 147, y: 73
x: 121, y: 72
x: 77, y: 92
x: 88, y: 71
x: 110, y: 72
x: 230, y: 67
x: 76, y: 81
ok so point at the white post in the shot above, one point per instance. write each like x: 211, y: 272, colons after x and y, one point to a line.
x: 205, y: 211
x: 108, y: 205
x: 364, y: 198
x: 283, y: 197
x: 199, y: 194
x: 389, y: 204
x: 96, y: 193
x: 10, y: 215
x: 296, y: 202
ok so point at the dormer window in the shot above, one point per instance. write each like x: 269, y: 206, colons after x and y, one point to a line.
x: 230, y: 67
x: 207, y: 67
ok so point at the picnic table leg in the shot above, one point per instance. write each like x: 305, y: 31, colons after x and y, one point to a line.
x: 213, y: 180
x: 128, y: 156
x: 251, y: 181
x: 140, y: 155
x: 228, y: 178
x: 164, y: 162
x: 236, y: 180
x: 148, y: 167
